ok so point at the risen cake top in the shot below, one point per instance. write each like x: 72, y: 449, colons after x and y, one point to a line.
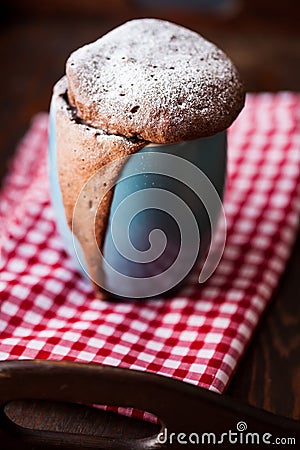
x: 155, y: 81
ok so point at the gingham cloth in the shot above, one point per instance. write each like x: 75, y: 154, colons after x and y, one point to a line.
x: 48, y: 309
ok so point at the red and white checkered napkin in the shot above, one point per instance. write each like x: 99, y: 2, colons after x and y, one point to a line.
x: 49, y: 311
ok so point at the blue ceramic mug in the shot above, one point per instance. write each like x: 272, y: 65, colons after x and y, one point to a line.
x: 163, y: 214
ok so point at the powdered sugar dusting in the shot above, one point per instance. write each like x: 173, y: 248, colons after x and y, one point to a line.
x: 156, y: 81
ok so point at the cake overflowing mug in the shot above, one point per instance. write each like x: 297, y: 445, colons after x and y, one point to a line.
x: 138, y: 156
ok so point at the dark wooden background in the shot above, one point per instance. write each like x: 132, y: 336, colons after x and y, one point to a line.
x: 263, y: 39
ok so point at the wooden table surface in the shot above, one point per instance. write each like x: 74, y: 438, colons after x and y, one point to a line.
x: 264, y: 42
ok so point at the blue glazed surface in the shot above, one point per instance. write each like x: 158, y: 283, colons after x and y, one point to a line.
x: 208, y: 154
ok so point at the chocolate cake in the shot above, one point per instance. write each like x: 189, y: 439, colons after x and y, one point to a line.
x: 147, y: 81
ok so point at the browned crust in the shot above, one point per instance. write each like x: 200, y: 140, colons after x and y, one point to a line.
x: 81, y: 152
x: 154, y: 80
